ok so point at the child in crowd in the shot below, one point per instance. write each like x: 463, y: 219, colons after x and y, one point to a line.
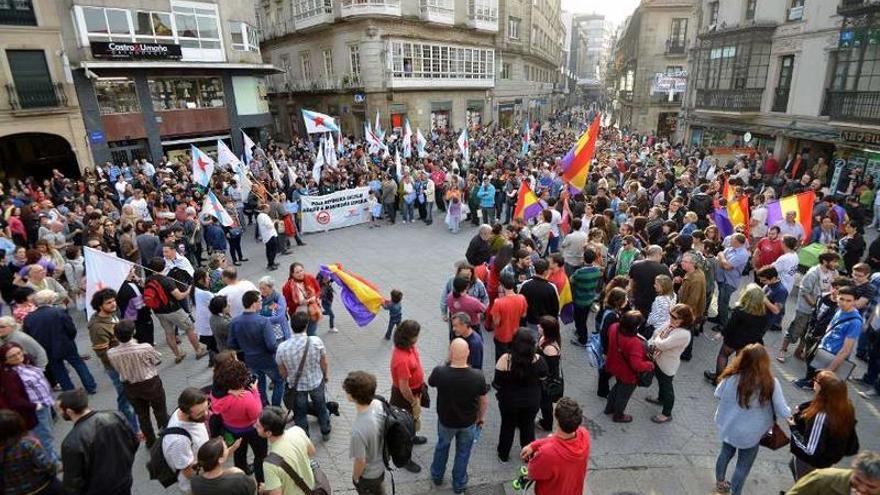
x: 326, y: 284
x: 395, y: 312
x: 375, y: 209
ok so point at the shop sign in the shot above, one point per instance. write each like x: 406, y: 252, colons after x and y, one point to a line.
x: 119, y: 50
x: 96, y: 137
x: 860, y: 137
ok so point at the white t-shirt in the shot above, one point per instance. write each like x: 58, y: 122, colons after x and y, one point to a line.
x: 787, y: 266
x: 202, y: 314
x: 555, y: 221
x: 233, y: 295
x: 180, y: 451
x: 267, y: 227
x: 140, y: 207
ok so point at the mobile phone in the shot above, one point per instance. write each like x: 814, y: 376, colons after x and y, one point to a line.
x: 228, y: 439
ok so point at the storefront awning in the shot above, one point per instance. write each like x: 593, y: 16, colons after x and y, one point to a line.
x: 113, y: 64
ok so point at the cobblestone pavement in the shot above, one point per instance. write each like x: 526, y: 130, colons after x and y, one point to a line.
x: 636, y: 458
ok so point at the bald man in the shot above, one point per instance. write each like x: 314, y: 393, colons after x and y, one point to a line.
x: 461, y: 410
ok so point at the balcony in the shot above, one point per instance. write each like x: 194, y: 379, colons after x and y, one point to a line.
x: 483, y: 15
x: 277, y: 84
x: 353, y: 8
x: 675, y: 47
x: 857, y: 7
x: 322, y: 14
x: 18, y: 13
x: 36, y: 96
x: 853, y: 106
x: 780, y: 100
x: 730, y: 100
x: 438, y: 11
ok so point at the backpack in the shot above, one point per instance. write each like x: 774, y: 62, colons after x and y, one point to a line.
x: 155, y: 295
x: 157, y: 466
x: 398, y: 435
x: 595, y: 354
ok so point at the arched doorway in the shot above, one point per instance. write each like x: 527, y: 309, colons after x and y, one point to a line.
x: 36, y: 154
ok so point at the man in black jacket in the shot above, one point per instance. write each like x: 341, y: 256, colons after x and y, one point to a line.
x: 99, y: 451
x: 541, y: 296
x: 478, y: 251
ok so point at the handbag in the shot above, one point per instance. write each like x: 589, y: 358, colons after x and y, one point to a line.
x: 644, y: 378
x: 315, y: 311
x: 425, y: 397
x: 774, y: 439
x: 322, y: 483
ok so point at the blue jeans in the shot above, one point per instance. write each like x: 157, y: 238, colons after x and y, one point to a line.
x: 43, y: 432
x: 744, y: 463
x: 60, y: 372
x: 408, y: 211
x: 872, y: 374
x: 122, y: 403
x: 319, y: 403
x: 328, y: 312
x: 273, y: 374
x: 464, y: 441
x: 724, y: 294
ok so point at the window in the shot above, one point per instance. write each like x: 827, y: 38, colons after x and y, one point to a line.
x: 439, y: 6
x: 17, y: 12
x: 423, y: 60
x: 186, y: 93
x: 505, y: 70
x: 783, y: 85
x: 513, y: 28
x: 674, y: 69
x: 328, y: 64
x: 484, y: 10
x: 116, y: 95
x: 713, y: 13
x: 245, y: 37
x: 197, y: 27
x: 33, y: 83
x: 354, y: 62
x: 305, y: 65
x: 678, y: 35
x: 107, y: 24
x: 796, y: 12
x: 304, y: 9
x: 153, y: 27
x: 739, y: 62
x: 751, y: 6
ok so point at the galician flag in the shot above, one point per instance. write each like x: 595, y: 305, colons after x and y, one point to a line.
x: 203, y: 167
x: 212, y: 207
x: 379, y: 131
x: 248, y: 148
x: 319, y: 122
x: 526, y: 138
x: 330, y: 152
x: 407, y: 139
x: 464, y: 146
x: 226, y: 158
x: 398, y: 166
x: 276, y: 173
x: 103, y: 271
x: 420, y: 143
x: 339, y: 148
x: 319, y: 162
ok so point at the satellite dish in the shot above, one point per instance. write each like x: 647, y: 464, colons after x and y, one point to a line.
x: 747, y: 137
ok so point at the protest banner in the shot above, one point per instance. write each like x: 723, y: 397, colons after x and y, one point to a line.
x: 335, y: 210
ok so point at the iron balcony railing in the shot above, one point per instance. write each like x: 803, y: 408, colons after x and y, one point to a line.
x: 853, y: 106
x: 731, y: 100
x: 780, y: 100
x: 675, y: 47
x: 36, y: 96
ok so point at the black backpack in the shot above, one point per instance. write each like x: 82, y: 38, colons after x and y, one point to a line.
x: 399, y: 432
x: 157, y: 466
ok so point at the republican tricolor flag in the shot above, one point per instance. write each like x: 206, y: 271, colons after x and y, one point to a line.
x: 361, y: 298
x: 203, y: 166
x: 528, y: 205
x: 802, y: 206
x: 576, y: 164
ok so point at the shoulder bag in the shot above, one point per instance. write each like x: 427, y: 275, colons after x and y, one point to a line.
x: 775, y: 438
x: 322, y: 484
x: 290, y: 393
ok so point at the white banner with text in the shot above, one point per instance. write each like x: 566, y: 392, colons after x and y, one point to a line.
x: 335, y: 210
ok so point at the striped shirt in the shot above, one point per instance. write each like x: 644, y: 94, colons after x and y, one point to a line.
x: 135, y: 362
x: 584, y: 285
x: 35, y: 384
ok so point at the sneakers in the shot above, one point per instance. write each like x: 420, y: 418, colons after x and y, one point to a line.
x: 334, y: 330
x: 869, y: 394
x: 781, y: 356
x: 419, y: 440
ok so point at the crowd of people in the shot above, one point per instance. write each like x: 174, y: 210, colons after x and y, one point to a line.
x: 634, y: 262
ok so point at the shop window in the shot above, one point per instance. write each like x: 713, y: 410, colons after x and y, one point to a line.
x: 186, y: 93
x: 116, y: 95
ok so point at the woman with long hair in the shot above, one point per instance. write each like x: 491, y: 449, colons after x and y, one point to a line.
x: 234, y: 396
x: 666, y: 346
x: 518, y: 377
x: 746, y: 325
x: 213, y: 478
x: 408, y: 378
x: 302, y: 294
x: 615, y: 301
x: 748, y: 398
x: 824, y: 428
x: 550, y: 348
x: 659, y: 316
x: 626, y: 358
x: 25, y: 457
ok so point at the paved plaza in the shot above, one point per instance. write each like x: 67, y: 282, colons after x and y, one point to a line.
x: 636, y: 458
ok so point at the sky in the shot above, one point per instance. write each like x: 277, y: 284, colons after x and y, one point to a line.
x: 614, y: 10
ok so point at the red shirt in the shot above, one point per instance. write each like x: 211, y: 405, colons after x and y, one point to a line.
x: 560, y: 466
x: 767, y: 251
x: 406, y: 364
x: 771, y: 166
x: 509, y: 309
x: 626, y: 356
x: 467, y: 304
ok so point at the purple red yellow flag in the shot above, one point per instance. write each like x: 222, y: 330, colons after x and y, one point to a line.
x: 361, y: 298
x: 576, y: 164
x: 527, y: 204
